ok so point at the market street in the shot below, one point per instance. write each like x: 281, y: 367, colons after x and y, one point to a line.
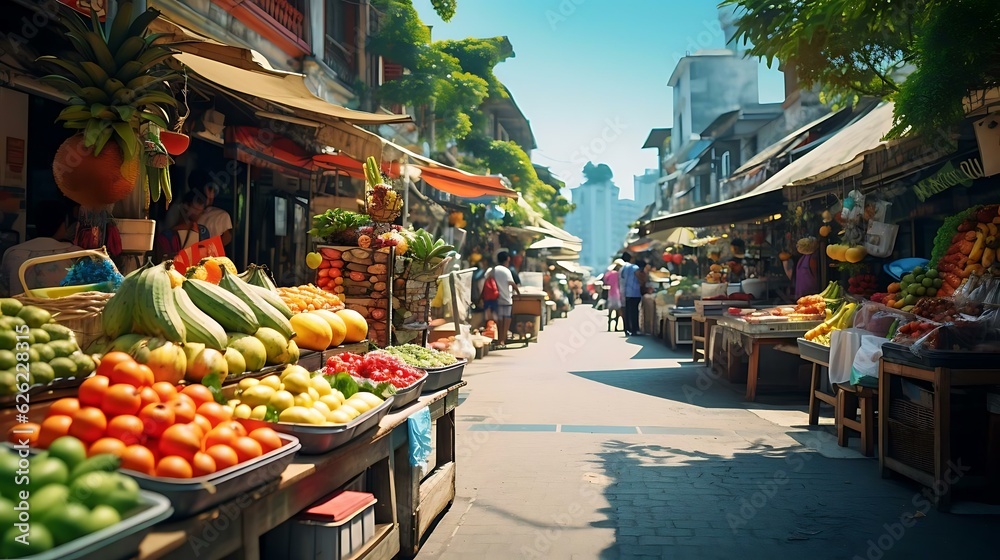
x: 586, y: 445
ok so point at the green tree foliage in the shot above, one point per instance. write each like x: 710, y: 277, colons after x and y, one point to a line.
x: 445, y: 8
x: 509, y: 160
x: 435, y: 78
x: 480, y: 57
x: 869, y: 48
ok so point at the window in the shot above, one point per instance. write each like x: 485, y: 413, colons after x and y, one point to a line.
x: 725, y: 167
x: 336, y: 27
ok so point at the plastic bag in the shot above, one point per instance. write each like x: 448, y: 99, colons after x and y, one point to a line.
x: 965, y: 333
x: 419, y: 425
x: 877, y: 318
x: 462, y: 346
x: 844, y: 345
x: 866, y: 360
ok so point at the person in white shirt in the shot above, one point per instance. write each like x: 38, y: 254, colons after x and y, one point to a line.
x: 216, y: 220
x: 51, y: 229
x: 506, y: 287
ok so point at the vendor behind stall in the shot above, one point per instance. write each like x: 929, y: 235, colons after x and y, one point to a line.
x: 51, y: 240
x: 737, y: 264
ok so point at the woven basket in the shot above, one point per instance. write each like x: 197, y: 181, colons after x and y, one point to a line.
x: 79, y: 312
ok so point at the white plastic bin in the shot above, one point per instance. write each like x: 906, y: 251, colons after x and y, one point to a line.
x: 332, y: 530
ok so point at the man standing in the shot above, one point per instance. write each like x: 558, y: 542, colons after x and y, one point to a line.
x: 629, y: 285
x: 216, y: 220
x: 505, y: 285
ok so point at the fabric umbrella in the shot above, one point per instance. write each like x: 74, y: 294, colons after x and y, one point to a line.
x: 679, y: 236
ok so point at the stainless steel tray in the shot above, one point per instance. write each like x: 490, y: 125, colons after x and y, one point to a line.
x: 404, y: 397
x: 194, y: 495
x: 814, y: 351
x: 439, y: 378
x: 316, y: 440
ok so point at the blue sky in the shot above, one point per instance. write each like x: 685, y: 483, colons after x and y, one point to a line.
x: 591, y: 75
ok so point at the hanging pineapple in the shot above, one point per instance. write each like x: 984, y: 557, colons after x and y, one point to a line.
x: 115, y: 86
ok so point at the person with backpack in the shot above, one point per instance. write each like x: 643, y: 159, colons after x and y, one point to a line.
x: 500, y: 283
x: 489, y: 294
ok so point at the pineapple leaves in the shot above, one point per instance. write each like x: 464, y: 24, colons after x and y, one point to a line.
x: 125, y: 112
x: 102, y: 139
x: 153, y: 182
x: 64, y: 84
x: 153, y: 118
x: 142, y: 21
x: 93, y: 131
x: 81, y: 76
x: 118, y: 32
x: 127, y: 139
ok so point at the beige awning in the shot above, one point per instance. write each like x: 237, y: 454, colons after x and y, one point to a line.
x: 553, y: 243
x: 286, y: 89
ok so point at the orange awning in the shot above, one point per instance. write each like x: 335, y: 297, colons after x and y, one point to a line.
x: 464, y: 185
x: 446, y: 179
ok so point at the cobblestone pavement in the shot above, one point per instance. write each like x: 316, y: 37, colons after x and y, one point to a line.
x: 586, y: 445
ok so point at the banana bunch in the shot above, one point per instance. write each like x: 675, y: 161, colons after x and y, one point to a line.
x: 114, y: 82
x: 842, y: 319
x: 426, y: 250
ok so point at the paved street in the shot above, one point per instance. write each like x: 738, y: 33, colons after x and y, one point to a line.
x: 586, y: 445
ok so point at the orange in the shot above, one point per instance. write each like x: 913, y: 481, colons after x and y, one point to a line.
x: 89, y: 424
x: 267, y: 438
x: 107, y: 445
x: 148, y: 396
x: 224, y: 456
x: 110, y: 360
x: 203, y: 464
x: 200, y: 394
x: 247, y: 448
x: 27, y: 431
x: 184, y: 408
x: 139, y: 459
x: 173, y: 466
x: 131, y: 373
x: 165, y: 390
x: 64, y: 407
x: 213, y: 271
x: 221, y: 435
x: 240, y: 430
x: 127, y: 428
x: 121, y: 398
x: 52, y: 428
x: 156, y: 418
x: 181, y: 440
x: 215, y: 413
x: 91, y: 391
x: 202, y: 423
x: 147, y: 374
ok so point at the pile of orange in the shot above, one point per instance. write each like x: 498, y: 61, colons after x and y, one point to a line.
x: 154, y: 428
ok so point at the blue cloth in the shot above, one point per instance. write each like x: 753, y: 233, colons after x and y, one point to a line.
x: 419, y: 426
x: 628, y: 281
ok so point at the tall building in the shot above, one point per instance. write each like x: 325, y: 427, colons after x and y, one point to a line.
x: 646, y: 187
x: 600, y: 217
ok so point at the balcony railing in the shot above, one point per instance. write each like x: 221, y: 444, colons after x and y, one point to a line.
x: 287, y: 13
x: 342, y: 60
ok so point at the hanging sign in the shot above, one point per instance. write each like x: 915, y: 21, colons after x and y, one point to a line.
x: 949, y: 176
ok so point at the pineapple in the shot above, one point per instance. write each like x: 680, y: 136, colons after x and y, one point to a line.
x: 115, y: 83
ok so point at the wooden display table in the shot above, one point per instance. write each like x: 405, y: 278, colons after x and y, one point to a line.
x: 754, y: 342
x: 940, y: 463
x: 701, y: 330
x: 405, y: 509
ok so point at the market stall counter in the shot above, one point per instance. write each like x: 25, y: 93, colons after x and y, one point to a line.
x: 406, y: 506
x: 922, y: 432
x: 754, y: 337
x: 678, y: 326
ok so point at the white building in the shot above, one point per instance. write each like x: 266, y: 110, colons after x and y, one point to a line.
x: 600, y: 218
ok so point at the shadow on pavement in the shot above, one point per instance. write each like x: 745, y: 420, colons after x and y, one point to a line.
x: 688, y: 383
x: 766, y: 502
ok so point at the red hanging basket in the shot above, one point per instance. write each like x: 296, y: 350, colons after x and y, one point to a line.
x: 175, y: 142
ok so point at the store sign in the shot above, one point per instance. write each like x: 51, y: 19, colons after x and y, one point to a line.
x: 949, y: 176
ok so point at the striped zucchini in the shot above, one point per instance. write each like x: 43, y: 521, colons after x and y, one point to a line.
x: 227, y: 309
x: 266, y: 314
x: 200, y: 326
x: 119, y: 311
x: 273, y: 299
x: 154, y: 306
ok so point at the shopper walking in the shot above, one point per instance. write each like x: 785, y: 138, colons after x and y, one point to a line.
x: 615, y: 301
x: 506, y: 288
x: 632, y: 289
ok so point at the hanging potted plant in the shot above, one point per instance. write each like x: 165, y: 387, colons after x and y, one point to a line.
x: 116, y: 88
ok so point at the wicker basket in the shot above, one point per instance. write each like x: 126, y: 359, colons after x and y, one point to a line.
x: 383, y: 214
x: 79, y: 312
